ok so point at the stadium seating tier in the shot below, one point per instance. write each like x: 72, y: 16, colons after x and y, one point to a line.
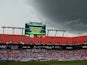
x: 16, y: 39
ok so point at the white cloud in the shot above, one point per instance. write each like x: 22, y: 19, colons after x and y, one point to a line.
x: 17, y: 13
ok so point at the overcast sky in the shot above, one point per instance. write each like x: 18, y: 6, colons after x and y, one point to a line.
x: 69, y: 15
x: 17, y: 13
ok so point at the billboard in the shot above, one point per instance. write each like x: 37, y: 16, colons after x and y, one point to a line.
x: 35, y: 29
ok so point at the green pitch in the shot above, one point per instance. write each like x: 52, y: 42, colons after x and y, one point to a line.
x: 83, y: 62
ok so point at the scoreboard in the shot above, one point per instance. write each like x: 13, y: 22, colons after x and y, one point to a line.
x: 35, y: 29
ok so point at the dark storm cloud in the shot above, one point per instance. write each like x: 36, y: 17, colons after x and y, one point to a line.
x: 70, y: 14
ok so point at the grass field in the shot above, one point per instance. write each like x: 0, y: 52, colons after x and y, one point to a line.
x: 81, y: 62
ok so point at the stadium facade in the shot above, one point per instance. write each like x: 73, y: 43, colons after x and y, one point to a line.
x: 41, y: 47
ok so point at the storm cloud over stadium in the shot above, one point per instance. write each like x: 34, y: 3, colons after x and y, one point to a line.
x: 70, y: 15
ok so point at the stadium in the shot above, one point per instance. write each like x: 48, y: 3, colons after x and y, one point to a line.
x: 43, y: 32
x: 35, y: 45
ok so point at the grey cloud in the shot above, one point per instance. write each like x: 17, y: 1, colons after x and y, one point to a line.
x: 70, y: 14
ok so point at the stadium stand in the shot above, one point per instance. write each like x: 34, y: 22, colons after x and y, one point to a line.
x: 27, y: 55
x: 15, y: 39
x: 42, y: 54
